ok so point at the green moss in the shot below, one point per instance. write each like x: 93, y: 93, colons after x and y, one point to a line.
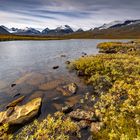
x: 55, y: 127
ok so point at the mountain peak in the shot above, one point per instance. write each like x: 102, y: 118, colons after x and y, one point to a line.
x: 119, y: 24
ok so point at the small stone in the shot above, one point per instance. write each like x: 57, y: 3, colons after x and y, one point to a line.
x: 56, y: 98
x: 68, y: 90
x: 12, y: 85
x: 84, y: 53
x: 96, y: 127
x: 80, y: 73
x: 55, y: 67
x: 67, y: 62
x: 80, y: 114
x: 67, y: 109
x: 63, y: 55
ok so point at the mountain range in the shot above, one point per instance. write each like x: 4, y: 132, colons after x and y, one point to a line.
x: 112, y: 29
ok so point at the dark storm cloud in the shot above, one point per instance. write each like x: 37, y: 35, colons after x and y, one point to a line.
x: 88, y: 13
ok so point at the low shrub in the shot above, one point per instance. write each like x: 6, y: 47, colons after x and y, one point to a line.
x: 116, y: 47
x: 116, y: 78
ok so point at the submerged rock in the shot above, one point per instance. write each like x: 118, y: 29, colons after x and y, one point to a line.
x: 63, y: 55
x: 15, y: 102
x: 21, y: 114
x: 67, y: 62
x: 68, y: 90
x: 12, y: 85
x: 67, y: 109
x: 16, y: 95
x: 55, y: 67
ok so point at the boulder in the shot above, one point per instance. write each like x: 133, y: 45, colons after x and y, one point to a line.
x: 80, y: 114
x: 21, y: 114
x: 68, y: 90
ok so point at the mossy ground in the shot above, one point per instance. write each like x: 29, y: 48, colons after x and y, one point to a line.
x: 116, y: 79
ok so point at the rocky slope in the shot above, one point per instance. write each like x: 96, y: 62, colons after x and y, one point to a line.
x: 3, y: 31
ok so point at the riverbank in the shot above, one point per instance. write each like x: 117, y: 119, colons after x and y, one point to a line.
x: 11, y: 37
x: 111, y: 105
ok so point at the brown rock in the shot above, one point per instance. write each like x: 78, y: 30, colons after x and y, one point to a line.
x: 21, y: 114
x: 96, y: 127
x: 67, y: 109
x: 67, y: 62
x: 31, y: 78
x: 80, y: 114
x: 68, y: 90
x: 50, y: 85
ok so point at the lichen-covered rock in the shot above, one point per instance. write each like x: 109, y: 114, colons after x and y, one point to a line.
x: 68, y: 90
x: 96, y: 127
x: 80, y: 114
x: 21, y: 114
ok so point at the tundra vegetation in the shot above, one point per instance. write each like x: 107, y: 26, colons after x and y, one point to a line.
x: 116, y: 79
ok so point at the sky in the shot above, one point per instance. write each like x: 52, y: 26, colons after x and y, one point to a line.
x: 84, y: 14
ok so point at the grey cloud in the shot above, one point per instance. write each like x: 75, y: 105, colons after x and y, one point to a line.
x: 76, y: 12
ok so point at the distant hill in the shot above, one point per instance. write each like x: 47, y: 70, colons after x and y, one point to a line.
x: 126, y: 29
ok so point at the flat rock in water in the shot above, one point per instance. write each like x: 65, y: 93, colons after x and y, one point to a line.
x: 32, y: 78
x: 68, y: 90
x: 21, y: 114
x: 80, y: 114
x: 15, y: 102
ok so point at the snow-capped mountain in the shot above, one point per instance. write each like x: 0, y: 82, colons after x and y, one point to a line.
x: 25, y: 31
x: 80, y: 30
x: 61, y: 30
x: 116, y: 24
x: 45, y: 31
